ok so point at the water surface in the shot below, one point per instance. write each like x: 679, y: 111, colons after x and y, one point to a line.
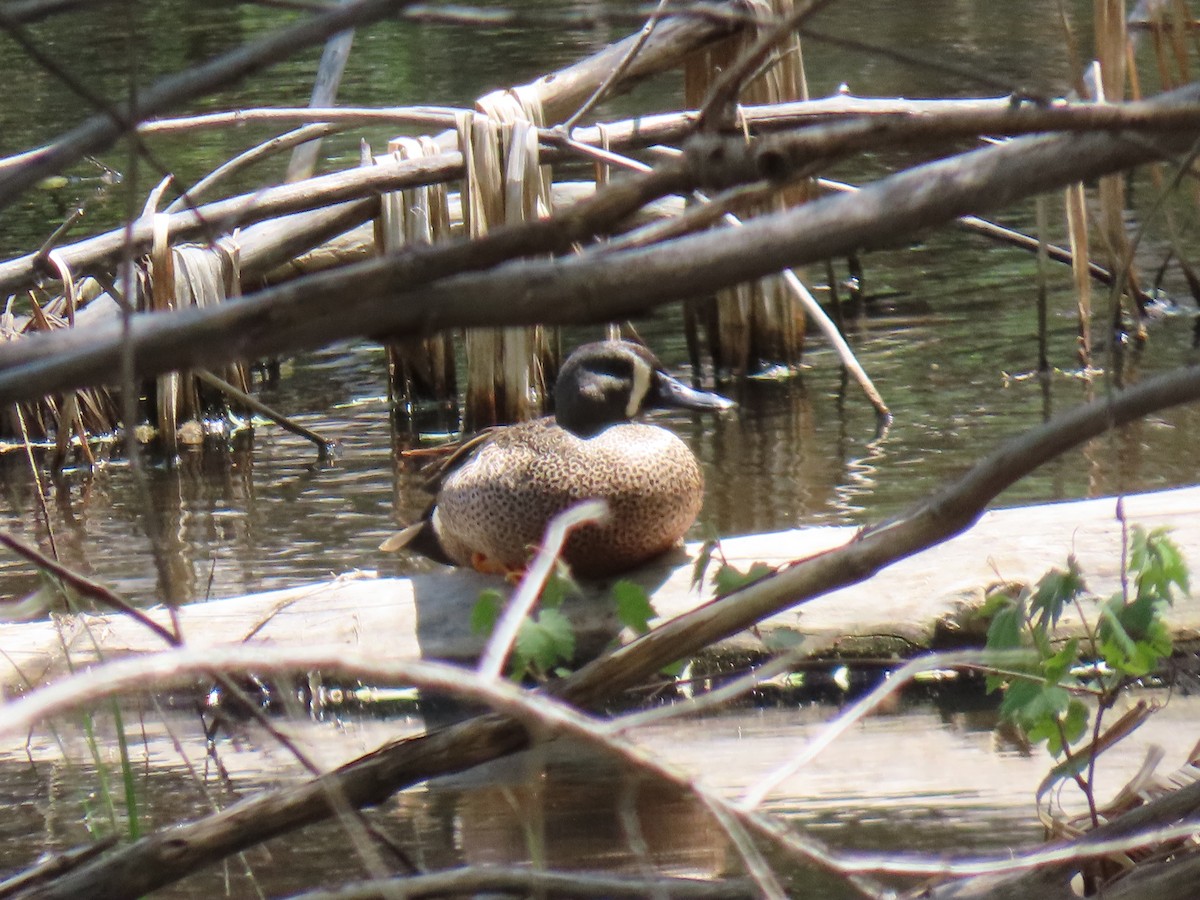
x: 951, y: 320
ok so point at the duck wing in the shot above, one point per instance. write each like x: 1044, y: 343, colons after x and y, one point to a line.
x: 437, y: 471
x: 420, y: 536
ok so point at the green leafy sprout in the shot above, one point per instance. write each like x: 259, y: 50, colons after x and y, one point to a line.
x: 545, y: 644
x: 1046, y: 698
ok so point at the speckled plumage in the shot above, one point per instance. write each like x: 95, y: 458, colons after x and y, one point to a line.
x: 499, y: 490
x: 497, y: 505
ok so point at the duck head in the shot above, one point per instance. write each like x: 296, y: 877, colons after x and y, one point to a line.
x: 614, y: 381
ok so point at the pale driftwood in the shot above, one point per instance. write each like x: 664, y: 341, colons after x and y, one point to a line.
x: 900, y: 122
x: 358, y: 243
x: 917, y: 604
x: 279, y: 250
x: 214, y: 219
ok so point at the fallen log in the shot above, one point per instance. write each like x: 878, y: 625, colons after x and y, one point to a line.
x: 925, y: 602
x: 593, y: 287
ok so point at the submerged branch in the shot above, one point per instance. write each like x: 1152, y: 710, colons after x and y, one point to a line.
x: 262, y: 409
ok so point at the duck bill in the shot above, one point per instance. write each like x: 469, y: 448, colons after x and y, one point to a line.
x: 670, y: 392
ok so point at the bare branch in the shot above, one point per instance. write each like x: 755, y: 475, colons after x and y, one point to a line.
x: 165, y: 856
x: 520, y: 881
x: 589, y: 287
x: 718, y: 106
x: 101, y: 131
x: 86, y: 586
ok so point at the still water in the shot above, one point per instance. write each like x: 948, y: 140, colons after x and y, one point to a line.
x: 933, y: 778
x: 950, y: 321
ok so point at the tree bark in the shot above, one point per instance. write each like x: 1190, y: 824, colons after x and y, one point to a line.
x: 393, y: 296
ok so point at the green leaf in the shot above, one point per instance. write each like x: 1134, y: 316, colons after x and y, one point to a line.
x: 544, y: 642
x: 999, y: 596
x: 559, y: 586
x: 675, y: 669
x: 486, y: 611
x: 1045, y: 713
x: 1158, y: 564
x: 1039, y: 715
x: 1149, y: 651
x: 730, y: 578
x: 1055, y: 590
x: 1058, y: 665
x: 533, y: 649
x: 1133, y: 637
x: 559, y: 628
x: 1075, y: 721
x: 1138, y: 615
x: 634, y: 609
x: 1116, y: 646
x: 1005, y: 630
x: 1023, y: 701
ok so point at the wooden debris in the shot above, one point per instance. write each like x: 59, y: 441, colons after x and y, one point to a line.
x: 924, y: 602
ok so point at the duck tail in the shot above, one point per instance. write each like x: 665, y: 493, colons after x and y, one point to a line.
x: 404, y: 537
x: 421, y: 538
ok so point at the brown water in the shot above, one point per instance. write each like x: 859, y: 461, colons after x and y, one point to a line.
x: 952, y: 318
x: 923, y: 778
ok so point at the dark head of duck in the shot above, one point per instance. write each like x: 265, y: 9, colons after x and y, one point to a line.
x: 614, y: 381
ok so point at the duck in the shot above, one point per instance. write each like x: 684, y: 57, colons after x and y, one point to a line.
x: 498, y: 491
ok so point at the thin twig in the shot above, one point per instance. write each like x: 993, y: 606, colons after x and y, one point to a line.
x: 619, y: 69
x: 861, y: 709
x: 185, y: 665
x: 247, y: 158
x: 100, y: 131
x: 494, y: 880
x: 491, y: 664
x: 344, y: 116
x: 802, y: 294
x: 297, y: 315
x: 323, y: 444
x: 85, y: 586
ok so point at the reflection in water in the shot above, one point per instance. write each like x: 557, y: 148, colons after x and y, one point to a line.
x: 922, y: 778
x: 201, y: 508
x: 269, y: 514
x: 772, y: 432
x: 567, y: 805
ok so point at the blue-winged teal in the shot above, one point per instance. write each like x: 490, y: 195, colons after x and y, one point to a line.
x: 498, y: 491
